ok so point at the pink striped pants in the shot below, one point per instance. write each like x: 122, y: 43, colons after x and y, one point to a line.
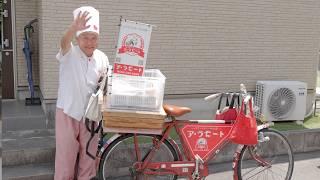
x: 71, y: 139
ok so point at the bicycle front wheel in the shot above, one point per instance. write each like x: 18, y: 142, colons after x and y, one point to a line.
x: 271, y: 158
x: 118, y: 159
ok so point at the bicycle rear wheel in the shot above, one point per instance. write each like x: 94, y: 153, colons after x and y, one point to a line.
x: 271, y: 158
x: 118, y: 159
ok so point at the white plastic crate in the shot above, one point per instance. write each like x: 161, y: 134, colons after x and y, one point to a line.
x: 136, y: 92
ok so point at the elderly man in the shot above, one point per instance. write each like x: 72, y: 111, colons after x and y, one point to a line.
x: 80, y: 68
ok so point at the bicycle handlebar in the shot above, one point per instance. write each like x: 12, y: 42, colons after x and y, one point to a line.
x: 243, y: 92
x: 246, y: 99
x: 212, y: 97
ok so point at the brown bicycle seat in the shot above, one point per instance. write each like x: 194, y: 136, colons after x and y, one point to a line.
x: 176, y: 111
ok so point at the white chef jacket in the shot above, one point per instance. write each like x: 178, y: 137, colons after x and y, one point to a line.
x: 78, y: 77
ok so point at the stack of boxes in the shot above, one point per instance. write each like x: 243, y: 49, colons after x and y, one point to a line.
x: 133, y: 102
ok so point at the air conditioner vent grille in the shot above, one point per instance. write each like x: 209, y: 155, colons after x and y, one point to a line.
x: 281, y: 103
x: 259, y: 99
x: 281, y: 100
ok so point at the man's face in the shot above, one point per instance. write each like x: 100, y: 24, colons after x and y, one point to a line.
x: 88, y: 42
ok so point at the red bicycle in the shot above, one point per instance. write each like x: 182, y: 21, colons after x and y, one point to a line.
x: 146, y: 156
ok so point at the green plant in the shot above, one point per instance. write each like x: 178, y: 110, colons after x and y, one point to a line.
x: 311, y: 122
x: 287, y: 125
x: 318, y: 79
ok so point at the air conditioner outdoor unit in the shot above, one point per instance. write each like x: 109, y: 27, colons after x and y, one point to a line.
x: 281, y: 100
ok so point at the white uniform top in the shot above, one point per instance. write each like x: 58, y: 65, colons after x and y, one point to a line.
x: 78, y: 77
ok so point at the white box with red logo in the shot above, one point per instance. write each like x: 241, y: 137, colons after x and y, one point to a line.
x: 136, y: 92
x: 132, y: 48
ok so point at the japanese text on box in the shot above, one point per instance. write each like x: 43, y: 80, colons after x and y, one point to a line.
x: 132, y: 48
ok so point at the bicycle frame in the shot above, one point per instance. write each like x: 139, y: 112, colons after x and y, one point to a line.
x: 200, y: 143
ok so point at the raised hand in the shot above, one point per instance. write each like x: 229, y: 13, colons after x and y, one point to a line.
x: 80, y: 21
x: 78, y: 24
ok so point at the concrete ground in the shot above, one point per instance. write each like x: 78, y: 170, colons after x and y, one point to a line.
x: 0, y: 137
x: 1, y: 168
x: 0, y: 147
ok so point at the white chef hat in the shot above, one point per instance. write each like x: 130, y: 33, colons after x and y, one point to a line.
x: 93, y: 21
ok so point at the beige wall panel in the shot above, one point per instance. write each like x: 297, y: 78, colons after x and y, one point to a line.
x: 201, y: 46
x: 26, y: 10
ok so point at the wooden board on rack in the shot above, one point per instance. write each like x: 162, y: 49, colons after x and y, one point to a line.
x: 132, y: 130
x: 130, y: 120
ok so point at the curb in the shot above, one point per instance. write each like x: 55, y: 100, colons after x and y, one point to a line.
x: 305, y: 140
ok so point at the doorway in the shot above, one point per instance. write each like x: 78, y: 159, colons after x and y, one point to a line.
x: 7, y: 51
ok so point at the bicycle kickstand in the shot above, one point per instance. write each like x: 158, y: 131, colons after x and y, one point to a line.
x: 195, y: 174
